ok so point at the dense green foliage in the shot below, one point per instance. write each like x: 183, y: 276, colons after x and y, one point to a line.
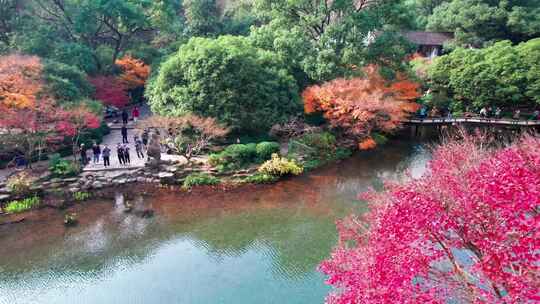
x: 266, y: 149
x: 199, y: 179
x: 62, y: 167
x: 316, y: 149
x: 476, y: 21
x: 80, y: 196
x: 202, y: 17
x: 323, y: 39
x: 227, y: 78
x: 66, y: 82
x: 500, y: 75
x: 260, y: 178
x: 97, y: 32
x: 240, y: 155
x: 22, y: 205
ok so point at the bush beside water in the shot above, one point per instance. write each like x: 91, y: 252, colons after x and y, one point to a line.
x: 22, y: 205
x: 199, y: 179
x: 239, y: 155
x: 20, y: 184
x: 280, y: 166
x: 260, y: 178
x: 81, y: 196
x: 317, y: 149
x: 62, y: 167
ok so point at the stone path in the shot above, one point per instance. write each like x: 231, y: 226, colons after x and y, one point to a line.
x: 115, y: 137
x: 112, y: 140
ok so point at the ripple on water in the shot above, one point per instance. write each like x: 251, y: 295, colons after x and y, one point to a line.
x: 261, y: 246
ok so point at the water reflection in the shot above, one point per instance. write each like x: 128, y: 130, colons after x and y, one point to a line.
x: 261, y: 245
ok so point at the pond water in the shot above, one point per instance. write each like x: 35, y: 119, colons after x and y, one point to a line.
x: 253, y: 245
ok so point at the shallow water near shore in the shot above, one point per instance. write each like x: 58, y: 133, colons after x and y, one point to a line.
x: 251, y: 245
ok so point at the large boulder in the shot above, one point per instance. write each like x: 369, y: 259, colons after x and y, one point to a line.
x: 154, y: 148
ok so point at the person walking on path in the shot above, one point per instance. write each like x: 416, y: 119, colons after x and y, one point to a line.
x: 124, y: 134
x: 483, y: 112
x: 517, y: 114
x: 498, y: 113
x: 139, y: 148
x: 125, y: 116
x: 125, y: 149
x: 82, y: 151
x: 144, y: 137
x: 120, y: 154
x: 106, y: 156
x: 96, y: 150
x: 135, y: 113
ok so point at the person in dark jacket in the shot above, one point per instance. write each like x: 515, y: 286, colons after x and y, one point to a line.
x: 120, y: 154
x: 127, y: 159
x: 96, y: 150
x: 144, y: 138
x: 84, y: 157
x: 125, y: 116
x: 124, y: 134
x: 139, y: 148
x: 106, y: 156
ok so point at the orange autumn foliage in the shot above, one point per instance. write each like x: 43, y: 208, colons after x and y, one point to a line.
x: 367, y: 144
x: 20, y: 80
x: 134, y: 72
x: 364, y: 104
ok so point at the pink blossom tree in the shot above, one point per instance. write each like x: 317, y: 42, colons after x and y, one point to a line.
x: 468, y: 231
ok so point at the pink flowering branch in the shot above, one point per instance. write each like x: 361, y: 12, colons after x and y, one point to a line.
x: 468, y: 231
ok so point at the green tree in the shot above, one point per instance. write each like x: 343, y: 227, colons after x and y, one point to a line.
x: 66, y: 83
x: 107, y: 24
x: 478, y: 21
x: 10, y: 14
x: 77, y: 55
x: 530, y: 54
x: 500, y: 75
x: 202, y: 17
x: 226, y: 78
x: 333, y: 34
x: 421, y: 10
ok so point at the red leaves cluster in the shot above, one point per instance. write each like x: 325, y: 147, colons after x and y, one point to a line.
x: 362, y: 105
x: 113, y: 90
x: 134, y: 72
x: 466, y: 232
x: 110, y: 91
x: 75, y: 120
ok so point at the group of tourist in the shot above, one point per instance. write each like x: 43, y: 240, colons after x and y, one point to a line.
x: 489, y: 112
x: 122, y: 152
x: 122, y: 149
x: 492, y: 113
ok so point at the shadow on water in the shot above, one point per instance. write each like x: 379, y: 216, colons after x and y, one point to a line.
x: 255, y: 244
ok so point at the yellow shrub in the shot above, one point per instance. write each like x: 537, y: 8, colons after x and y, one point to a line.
x: 280, y: 166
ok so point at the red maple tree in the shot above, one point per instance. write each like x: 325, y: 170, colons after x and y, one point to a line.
x: 362, y: 105
x: 110, y: 91
x: 74, y: 122
x: 468, y: 231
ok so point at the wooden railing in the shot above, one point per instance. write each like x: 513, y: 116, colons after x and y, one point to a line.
x: 473, y: 120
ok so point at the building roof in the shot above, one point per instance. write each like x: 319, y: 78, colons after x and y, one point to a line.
x: 428, y: 38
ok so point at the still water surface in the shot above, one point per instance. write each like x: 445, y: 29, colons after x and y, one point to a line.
x: 259, y: 245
